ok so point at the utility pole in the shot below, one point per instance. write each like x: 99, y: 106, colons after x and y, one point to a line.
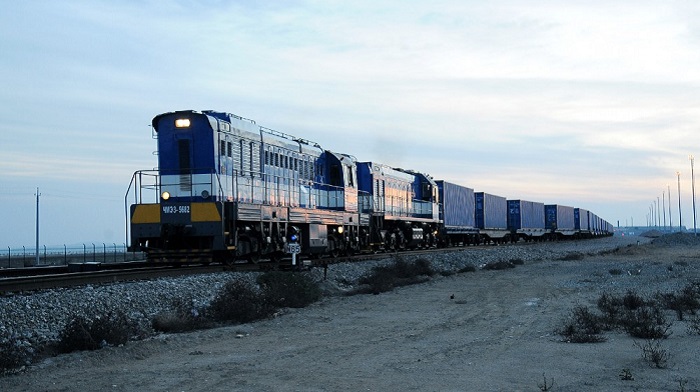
x: 36, y: 263
x: 670, y: 224
x: 663, y: 200
x: 680, y: 215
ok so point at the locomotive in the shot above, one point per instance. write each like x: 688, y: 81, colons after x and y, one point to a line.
x: 228, y: 189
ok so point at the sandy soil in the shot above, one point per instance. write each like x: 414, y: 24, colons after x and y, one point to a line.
x: 497, y: 334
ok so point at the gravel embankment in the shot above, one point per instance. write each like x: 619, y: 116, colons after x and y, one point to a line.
x: 38, y: 317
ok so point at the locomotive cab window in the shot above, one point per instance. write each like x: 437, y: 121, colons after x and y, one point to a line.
x: 427, y: 192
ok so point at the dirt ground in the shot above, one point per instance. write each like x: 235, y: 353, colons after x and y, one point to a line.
x: 496, y: 334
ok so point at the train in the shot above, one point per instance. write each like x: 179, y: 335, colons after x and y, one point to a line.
x: 229, y: 190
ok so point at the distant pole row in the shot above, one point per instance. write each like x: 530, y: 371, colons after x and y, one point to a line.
x: 658, y: 205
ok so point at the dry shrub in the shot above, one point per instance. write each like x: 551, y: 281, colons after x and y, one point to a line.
x: 289, y: 290
x: 685, y: 302
x: 400, y: 273
x: 182, y: 316
x: 647, y: 322
x: 467, y: 268
x: 15, y: 352
x: 639, y: 317
x: 654, y: 354
x: 582, y: 326
x: 82, y: 333
x: 240, y: 301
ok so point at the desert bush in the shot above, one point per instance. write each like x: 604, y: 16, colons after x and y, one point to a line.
x: 654, y: 354
x: 380, y: 280
x: 239, y: 301
x: 517, y: 261
x: 632, y: 301
x: 400, y: 273
x: 632, y: 313
x: 582, y: 326
x: 15, y: 352
x: 615, y: 271
x: 611, y: 309
x: 646, y: 322
x: 687, y: 301
x: 289, y: 290
x: 182, y: 316
x: 406, y: 270
x: 82, y: 333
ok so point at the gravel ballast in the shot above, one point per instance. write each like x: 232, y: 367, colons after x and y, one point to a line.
x: 38, y: 317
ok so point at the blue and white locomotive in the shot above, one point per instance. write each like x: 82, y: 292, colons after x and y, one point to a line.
x: 228, y: 189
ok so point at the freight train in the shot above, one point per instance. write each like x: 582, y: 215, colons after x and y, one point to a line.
x: 227, y: 189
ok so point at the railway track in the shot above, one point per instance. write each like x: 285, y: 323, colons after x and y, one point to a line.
x: 69, y: 279
x: 50, y: 277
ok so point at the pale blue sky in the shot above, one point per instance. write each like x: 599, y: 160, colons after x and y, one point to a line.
x: 593, y: 104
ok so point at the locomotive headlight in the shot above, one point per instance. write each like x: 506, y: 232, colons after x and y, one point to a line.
x: 182, y: 123
x: 340, y: 230
x: 165, y: 195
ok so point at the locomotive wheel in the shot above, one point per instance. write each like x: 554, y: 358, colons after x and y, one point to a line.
x: 333, y: 246
x: 252, y: 257
x: 391, y: 243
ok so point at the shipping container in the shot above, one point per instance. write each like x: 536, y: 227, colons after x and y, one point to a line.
x: 457, y: 206
x: 559, y: 218
x: 525, y: 215
x: 491, y: 211
x: 582, y: 220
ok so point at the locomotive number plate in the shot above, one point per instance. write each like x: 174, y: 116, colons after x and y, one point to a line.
x: 293, y: 248
x: 176, y: 209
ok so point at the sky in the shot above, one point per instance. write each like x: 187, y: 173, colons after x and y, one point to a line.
x: 591, y: 104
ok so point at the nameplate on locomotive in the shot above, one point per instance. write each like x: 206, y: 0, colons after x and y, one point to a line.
x: 176, y: 209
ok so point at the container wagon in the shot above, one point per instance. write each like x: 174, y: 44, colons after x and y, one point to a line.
x: 559, y: 220
x: 457, y: 212
x: 582, y: 221
x: 526, y: 220
x: 491, y: 217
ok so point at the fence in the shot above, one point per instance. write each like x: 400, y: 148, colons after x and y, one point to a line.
x: 92, y: 252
